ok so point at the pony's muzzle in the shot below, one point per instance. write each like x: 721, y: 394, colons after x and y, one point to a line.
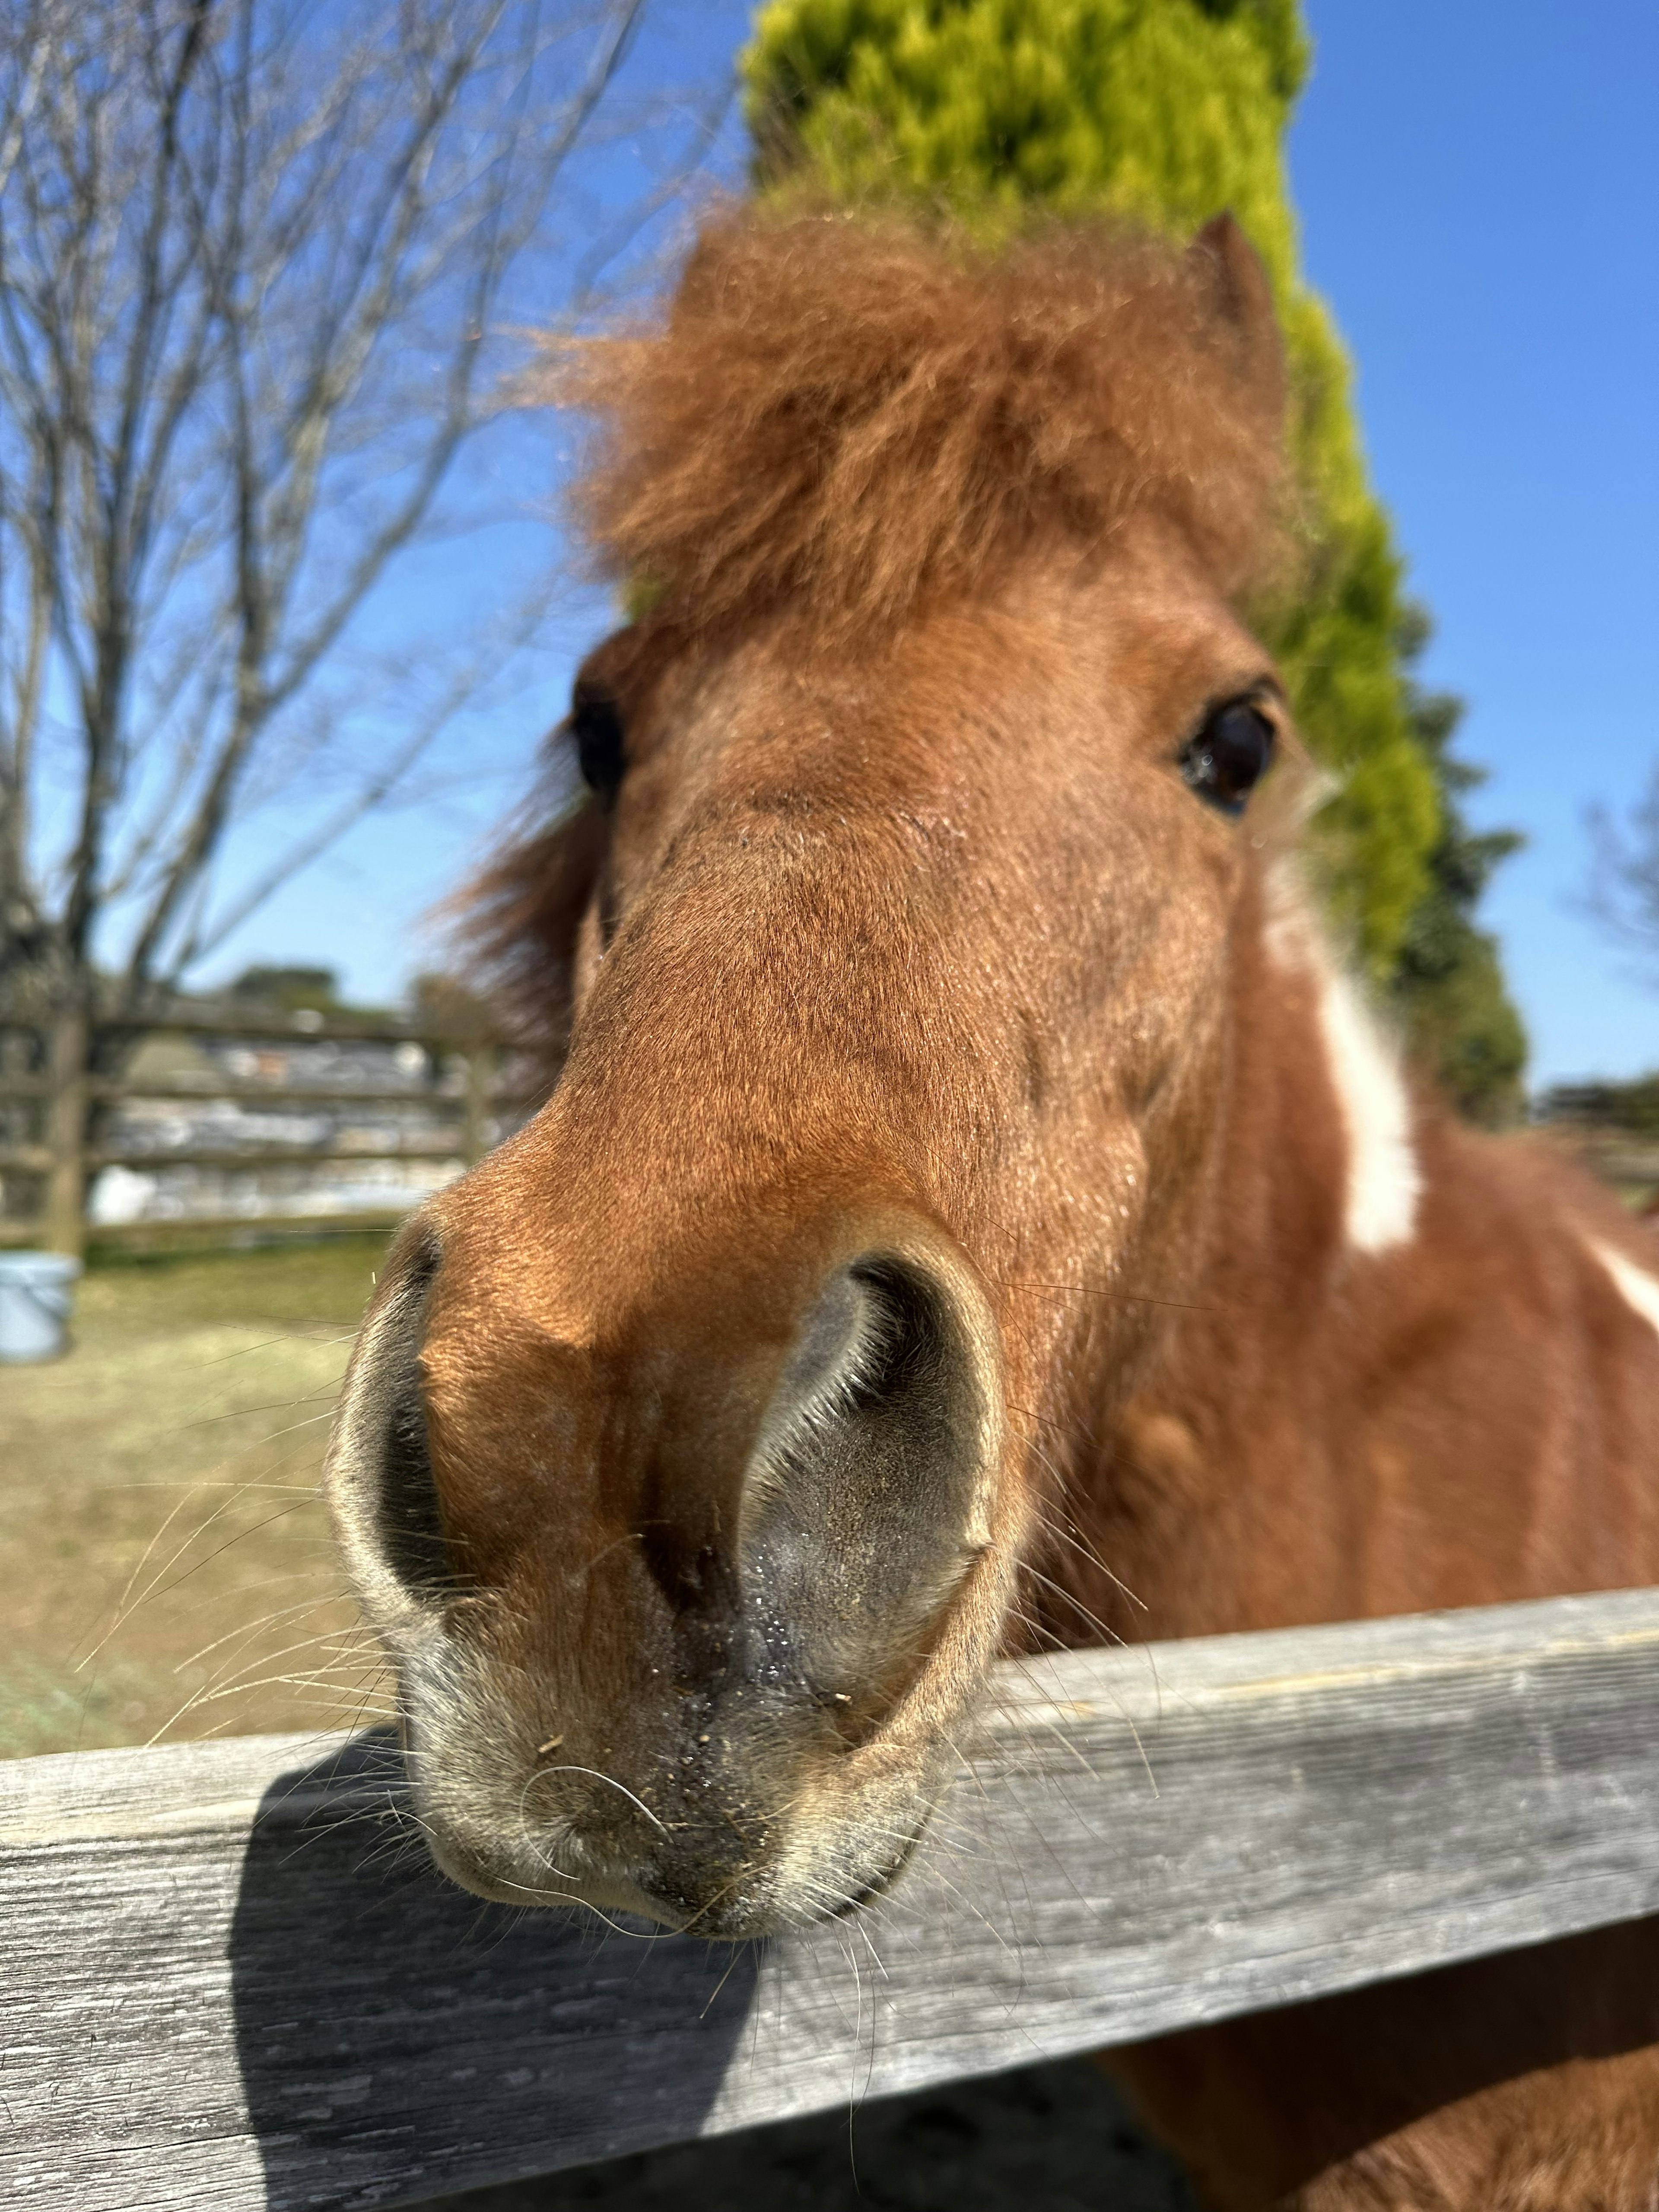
x: 735, y: 1734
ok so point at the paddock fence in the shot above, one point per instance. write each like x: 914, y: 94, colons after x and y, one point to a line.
x: 235, y: 1120
x: 1594, y: 1120
x: 232, y: 1980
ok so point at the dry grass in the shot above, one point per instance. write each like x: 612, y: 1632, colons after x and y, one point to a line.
x: 165, y: 1562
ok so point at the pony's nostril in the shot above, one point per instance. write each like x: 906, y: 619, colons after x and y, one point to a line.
x: 410, y: 1523
x: 872, y: 1338
x: 903, y: 1352
x: 864, y: 1503
x: 380, y: 1479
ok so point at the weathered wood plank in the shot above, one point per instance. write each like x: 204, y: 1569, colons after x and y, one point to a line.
x: 230, y: 1979
x: 442, y: 1145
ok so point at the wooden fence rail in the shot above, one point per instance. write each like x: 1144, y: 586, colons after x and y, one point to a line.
x: 67, y: 1153
x: 230, y: 1979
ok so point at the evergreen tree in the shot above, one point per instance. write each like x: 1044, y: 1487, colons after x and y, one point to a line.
x: 1166, y: 111
x: 1449, y: 981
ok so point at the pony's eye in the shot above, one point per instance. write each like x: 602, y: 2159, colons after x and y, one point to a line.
x: 596, y: 725
x: 1232, y: 751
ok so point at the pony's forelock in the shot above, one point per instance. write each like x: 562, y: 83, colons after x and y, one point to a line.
x: 846, y: 416
x: 840, y: 420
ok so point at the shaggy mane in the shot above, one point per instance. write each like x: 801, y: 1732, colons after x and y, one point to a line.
x: 853, y: 415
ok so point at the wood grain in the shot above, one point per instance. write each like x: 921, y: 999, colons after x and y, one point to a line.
x: 230, y: 1978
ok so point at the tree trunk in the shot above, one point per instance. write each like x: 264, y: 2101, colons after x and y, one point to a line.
x: 66, y: 1132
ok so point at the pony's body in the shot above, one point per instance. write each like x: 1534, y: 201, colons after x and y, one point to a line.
x: 1411, y: 1366
x: 975, y: 1211
x: 1466, y: 1415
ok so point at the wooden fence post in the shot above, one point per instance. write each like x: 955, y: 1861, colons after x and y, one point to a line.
x: 66, y: 1132
x: 480, y: 1089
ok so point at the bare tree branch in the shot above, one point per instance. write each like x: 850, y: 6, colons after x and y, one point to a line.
x: 464, y: 683
x: 121, y: 547
x: 27, y: 55
x: 615, y: 241
x: 1623, y: 894
x: 253, y: 260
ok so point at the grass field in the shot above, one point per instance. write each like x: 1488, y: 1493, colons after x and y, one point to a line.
x: 164, y: 1559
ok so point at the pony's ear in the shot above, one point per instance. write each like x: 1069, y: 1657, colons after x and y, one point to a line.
x: 1232, y: 271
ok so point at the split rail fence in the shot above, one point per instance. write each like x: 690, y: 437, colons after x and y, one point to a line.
x: 464, y: 1078
x: 231, y: 1980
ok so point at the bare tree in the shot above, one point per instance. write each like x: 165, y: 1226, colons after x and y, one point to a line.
x: 251, y: 256
x: 1623, y: 894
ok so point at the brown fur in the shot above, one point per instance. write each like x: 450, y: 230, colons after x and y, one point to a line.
x: 897, y: 422
x: 908, y: 929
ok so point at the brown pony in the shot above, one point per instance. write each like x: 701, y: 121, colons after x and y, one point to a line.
x: 976, y: 1211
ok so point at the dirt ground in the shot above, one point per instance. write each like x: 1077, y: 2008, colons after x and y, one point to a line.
x: 1056, y: 2138
x: 165, y: 1569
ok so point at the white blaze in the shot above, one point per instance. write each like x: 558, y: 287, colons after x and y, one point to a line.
x: 1634, y: 1285
x: 1384, y: 1180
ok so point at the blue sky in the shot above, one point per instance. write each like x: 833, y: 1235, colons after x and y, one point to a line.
x: 1478, y: 186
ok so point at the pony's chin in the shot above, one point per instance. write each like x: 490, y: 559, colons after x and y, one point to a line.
x: 776, y: 1900
x: 526, y: 1888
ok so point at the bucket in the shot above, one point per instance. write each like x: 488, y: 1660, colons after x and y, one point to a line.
x: 37, y: 1290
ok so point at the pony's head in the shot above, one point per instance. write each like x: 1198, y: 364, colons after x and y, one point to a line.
x: 695, y: 1440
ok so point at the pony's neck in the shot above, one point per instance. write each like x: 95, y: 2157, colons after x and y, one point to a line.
x: 1216, y: 1496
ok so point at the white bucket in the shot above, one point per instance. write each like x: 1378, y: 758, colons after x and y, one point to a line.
x: 37, y: 1290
